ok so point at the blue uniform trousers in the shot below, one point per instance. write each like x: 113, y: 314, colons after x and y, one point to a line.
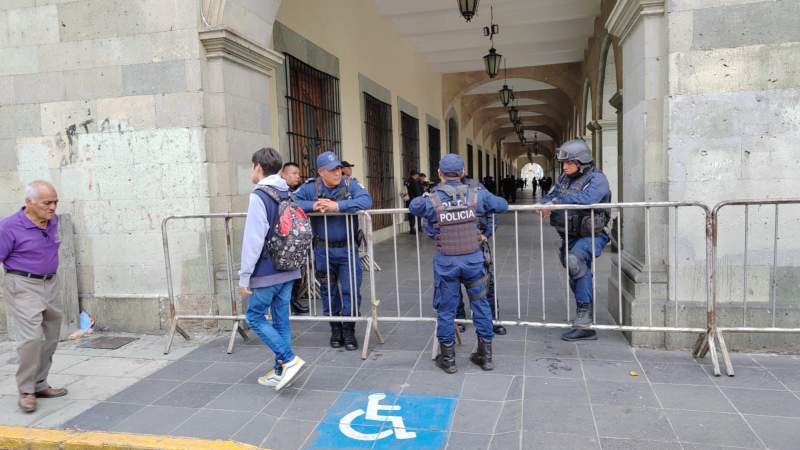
x: 449, y: 273
x: 582, y: 248
x: 341, y: 287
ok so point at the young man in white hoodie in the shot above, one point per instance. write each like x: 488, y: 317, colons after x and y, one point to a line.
x: 265, y: 287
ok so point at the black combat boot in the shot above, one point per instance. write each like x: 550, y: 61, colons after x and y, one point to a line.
x: 579, y: 334
x: 583, y: 316
x: 483, y: 357
x: 500, y: 330
x: 336, y: 335
x: 446, y: 359
x: 349, y: 336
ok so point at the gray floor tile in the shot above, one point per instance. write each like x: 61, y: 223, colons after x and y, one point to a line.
x: 255, y: 431
x: 479, y: 386
x: 103, y: 416
x: 244, y: 397
x: 612, y: 371
x: 510, y: 417
x: 542, y: 366
x: 515, y: 390
x: 553, y: 349
x: 391, y: 359
x: 712, y: 428
x: 779, y: 433
x: 468, y: 441
x: 633, y: 423
x: 697, y: 398
x: 328, y: 378
x: 506, y: 441
x: 503, y: 346
x: 662, y: 356
x: 435, y: 383
x: 676, y: 373
x: 310, y: 405
x: 631, y: 444
x: 181, y: 370
x: 539, y: 440
x: 778, y: 361
x: 313, y: 339
x: 409, y: 343
x: 340, y: 358
x: 558, y: 417
x: 213, y: 424
x: 555, y: 390
x: 252, y: 377
x: 145, y: 391
x: 289, y: 434
x: 476, y: 416
x: 605, y: 351
x: 154, y: 420
x: 789, y: 377
x: 622, y: 393
x: 224, y: 372
x: 192, y: 395
x: 764, y: 402
x: 748, y: 378
x: 281, y: 402
x: 372, y: 379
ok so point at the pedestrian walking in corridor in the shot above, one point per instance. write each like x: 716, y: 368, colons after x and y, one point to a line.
x: 452, y: 212
x: 29, y: 246
x: 336, y: 248
x: 579, y: 184
x: 265, y: 286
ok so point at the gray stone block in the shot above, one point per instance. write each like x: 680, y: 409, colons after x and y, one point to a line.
x: 762, y: 23
x: 6, y: 89
x: 28, y: 27
x: 712, y: 428
x: 134, y: 315
x: 20, y: 121
x: 180, y: 110
x: 154, y: 78
x: 8, y: 153
x: 39, y: 88
x: 93, y: 83
x: 18, y: 61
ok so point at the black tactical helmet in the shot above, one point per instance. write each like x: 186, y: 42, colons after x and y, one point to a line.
x: 575, y: 150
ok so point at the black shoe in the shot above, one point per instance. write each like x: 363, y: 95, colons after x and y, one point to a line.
x: 446, y: 359
x: 499, y: 330
x: 461, y: 327
x: 349, y: 336
x: 298, y: 308
x: 577, y: 334
x: 483, y: 357
x: 336, y: 335
x: 583, y: 316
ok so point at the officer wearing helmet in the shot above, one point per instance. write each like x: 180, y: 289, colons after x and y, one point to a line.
x: 580, y: 183
x: 452, y: 213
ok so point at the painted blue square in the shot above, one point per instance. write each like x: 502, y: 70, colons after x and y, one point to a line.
x: 404, y: 421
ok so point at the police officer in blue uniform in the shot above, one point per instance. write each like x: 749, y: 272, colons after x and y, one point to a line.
x: 331, y: 192
x: 580, y: 183
x: 451, y: 213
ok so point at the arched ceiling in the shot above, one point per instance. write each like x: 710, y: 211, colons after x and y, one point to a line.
x: 518, y: 84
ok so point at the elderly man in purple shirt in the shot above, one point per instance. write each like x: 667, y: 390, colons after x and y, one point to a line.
x: 29, y: 251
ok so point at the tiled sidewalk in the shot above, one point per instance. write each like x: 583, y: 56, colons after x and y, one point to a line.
x: 545, y: 393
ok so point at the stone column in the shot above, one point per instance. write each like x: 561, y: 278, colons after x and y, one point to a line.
x: 640, y: 25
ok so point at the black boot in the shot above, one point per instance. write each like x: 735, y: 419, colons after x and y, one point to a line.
x: 298, y: 308
x: 483, y: 357
x: 336, y: 335
x: 578, y: 334
x: 446, y: 359
x: 499, y: 330
x: 349, y: 336
x: 583, y: 316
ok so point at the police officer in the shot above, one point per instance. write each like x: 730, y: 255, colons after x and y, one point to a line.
x: 579, y: 184
x: 451, y: 213
x: 330, y: 192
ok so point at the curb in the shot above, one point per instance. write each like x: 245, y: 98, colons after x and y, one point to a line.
x: 24, y: 438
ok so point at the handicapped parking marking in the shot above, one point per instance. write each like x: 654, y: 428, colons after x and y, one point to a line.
x: 385, y: 420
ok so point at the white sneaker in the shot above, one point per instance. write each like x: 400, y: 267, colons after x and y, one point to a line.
x: 270, y: 379
x: 289, y: 371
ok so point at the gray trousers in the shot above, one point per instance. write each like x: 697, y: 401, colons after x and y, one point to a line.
x: 33, y: 306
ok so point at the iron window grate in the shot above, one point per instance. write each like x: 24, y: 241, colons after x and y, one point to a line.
x: 409, y: 136
x: 379, y: 157
x: 434, y: 153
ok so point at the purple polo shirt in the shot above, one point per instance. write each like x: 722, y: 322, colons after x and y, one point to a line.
x: 28, y: 248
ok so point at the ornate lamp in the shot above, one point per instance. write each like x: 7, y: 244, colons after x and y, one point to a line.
x: 506, y: 94
x: 513, y: 114
x: 468, y: 8
x: 492, y: 59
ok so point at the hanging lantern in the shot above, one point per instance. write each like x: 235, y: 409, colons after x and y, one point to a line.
x: 506, y: 94
x: 492, y: 62
x: 513, y: 114
x: 468, y: 8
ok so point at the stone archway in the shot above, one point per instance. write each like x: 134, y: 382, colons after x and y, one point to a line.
x: 608, y: 120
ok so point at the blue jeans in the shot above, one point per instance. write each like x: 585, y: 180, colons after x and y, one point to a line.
x: 448, y: 278
x: 582, y: 248
x: 278, y: 334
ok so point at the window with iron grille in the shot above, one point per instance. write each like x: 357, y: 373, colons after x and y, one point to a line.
x: 434, y: 153
x: 488, y: 169
x: 480, y: 165
x: 470, y: 164
x: 312, y: 98
x: 379, y: 157
x: 409, y: 137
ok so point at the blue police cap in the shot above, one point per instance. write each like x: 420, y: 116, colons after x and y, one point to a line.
x: 451, y: 165
x: 328, y: 161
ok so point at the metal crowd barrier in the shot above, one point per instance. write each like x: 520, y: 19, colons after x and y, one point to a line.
x: 746, y: 327
x: 312, y: 287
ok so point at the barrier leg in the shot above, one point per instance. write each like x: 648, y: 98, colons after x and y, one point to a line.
x: 374, y: 324
x: 232, y: 339
x: 365, y: 347
x: 435, y: 346
x: 726, y: 357
x: 712, y: 350
x: 701, y: 346
x: 171, y: 336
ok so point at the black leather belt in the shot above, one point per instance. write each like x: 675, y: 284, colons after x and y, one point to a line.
x: 331, y: 244
x: 31, y: 275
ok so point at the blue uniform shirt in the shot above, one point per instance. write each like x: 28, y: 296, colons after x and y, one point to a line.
x: 488, y: 204
x: 595, y: 191
x: 353, y: 197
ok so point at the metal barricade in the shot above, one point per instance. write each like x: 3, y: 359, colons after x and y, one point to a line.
x: 769, y: 257
x: 707, y: 342
x: 312, y: 286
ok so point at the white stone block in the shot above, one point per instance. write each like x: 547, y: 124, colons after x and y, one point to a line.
x: 39, y: 88
x: 194, y: 75
x: 682, y: 5
x: 77, y: 184
x: 57, y: 117
x: 3, y: 29
x: 6, y: 90
x: 184, y: 181
x: 12, y: 193
x: 34, y: 156
x: 127, y: 113
x: 15, y: 4
x: 8, y: 154
x: 179, y: 110
x: 87, y: 84
x: 33, y: 26
x: 18, y: 61
x: 168, y: 146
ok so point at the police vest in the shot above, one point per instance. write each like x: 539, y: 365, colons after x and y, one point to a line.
x: 342, y: 194
x: 457, y: 220
x: 580, y: 221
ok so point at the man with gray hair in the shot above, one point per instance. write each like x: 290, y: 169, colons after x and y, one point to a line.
x: 29, y: 251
